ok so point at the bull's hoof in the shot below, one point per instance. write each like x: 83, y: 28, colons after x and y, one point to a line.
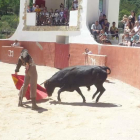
x: 84, y: 101
x: 96, y: 101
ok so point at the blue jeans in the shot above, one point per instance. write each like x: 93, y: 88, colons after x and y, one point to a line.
x: 95, y: 33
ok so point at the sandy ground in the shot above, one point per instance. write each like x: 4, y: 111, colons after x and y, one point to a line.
x: 115, y: 117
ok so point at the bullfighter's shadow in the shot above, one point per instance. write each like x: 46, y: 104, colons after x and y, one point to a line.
x: 39, y: 110
x: 99, y: 104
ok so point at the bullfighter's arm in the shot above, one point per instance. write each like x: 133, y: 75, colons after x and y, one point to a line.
x: 19, y: 64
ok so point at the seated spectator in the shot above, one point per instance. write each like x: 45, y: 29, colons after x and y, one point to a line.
x: 51, y: 17
x: 95, y: 29
x: 15, y: 44
x: 29, y: 9
x: 102, y: 36
x: 61, y: 13
x: 33, y: 8
x: 105, y: 26
x: 135, y: 34
x: 72, y: 9
x: 114, y: 31
x: 56, y: 17
x: 43, y: 17
x: 66, y: 15
x: 101, y: 19
x: 127, y: 38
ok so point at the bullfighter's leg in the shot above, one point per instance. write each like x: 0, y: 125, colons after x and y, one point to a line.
x: 33, y: 86
x: 102, y: 89
x: 79, y: 91
x: 23, y: 89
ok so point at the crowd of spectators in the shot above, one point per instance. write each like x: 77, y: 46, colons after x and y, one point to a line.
x: 101, y: 29
x: 131, y: 25
x: 52, y: 17
x: 131, y: 30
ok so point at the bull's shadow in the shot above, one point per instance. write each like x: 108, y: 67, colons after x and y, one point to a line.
x: 103, y: 105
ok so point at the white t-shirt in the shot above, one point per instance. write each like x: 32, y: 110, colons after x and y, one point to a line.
x: 136, y: 29
x: 75, y: 4
x: 16, y: 44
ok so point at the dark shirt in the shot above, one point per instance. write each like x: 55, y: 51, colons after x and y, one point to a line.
x: 23, y: 59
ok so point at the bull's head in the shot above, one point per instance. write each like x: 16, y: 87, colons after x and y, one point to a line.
x: 49, y: 88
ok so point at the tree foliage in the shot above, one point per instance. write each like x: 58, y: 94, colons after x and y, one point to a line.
x: 9, y: 17
x: 126, y: 6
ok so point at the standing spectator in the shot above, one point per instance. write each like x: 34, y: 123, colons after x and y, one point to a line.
x: 133, y: 19
x: 105, y: 26
x: 135, y: 34
x: 66, y: 15
x: 33, y: 8
x: 75, y: 4
x: 87, y: 52
x: 95, y: 29
x: 37, y: 10
x: 61, y: 5
x: 129, y: 23
x: 56, y: 17
x: 42, y: 7
x: 28, y: 9
x: 114, y: 31
x: 124, y: 21
x: 101, y: 19
x: 139, y: 18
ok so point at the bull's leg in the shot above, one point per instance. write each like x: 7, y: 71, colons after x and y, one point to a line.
x: 95, y: 92
x: 59, y: 91
x: 88, y: 88
x: 79, y: 91
x: 102, y: 89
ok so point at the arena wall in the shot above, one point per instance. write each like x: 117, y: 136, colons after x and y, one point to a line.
x: 123, y: 61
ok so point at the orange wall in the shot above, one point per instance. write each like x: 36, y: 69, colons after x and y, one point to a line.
x: 41, y: 57
x: 123, y: 61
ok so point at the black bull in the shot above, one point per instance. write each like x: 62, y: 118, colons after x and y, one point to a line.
x: 71, y: 78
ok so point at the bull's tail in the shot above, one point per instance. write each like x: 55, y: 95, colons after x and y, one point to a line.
x: 107, y: 68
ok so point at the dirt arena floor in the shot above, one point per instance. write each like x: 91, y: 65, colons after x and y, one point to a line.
x: 115, y: 117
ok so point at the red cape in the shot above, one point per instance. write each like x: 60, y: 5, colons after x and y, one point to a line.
x: 40, y: 92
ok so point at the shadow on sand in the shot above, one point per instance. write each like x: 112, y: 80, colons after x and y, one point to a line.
x: 103, y: 105
x: 107, y: 81
x: 39, y: 110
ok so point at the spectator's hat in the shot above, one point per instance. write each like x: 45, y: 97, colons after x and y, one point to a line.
x: 130, y: 17
x: 125, y: 16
